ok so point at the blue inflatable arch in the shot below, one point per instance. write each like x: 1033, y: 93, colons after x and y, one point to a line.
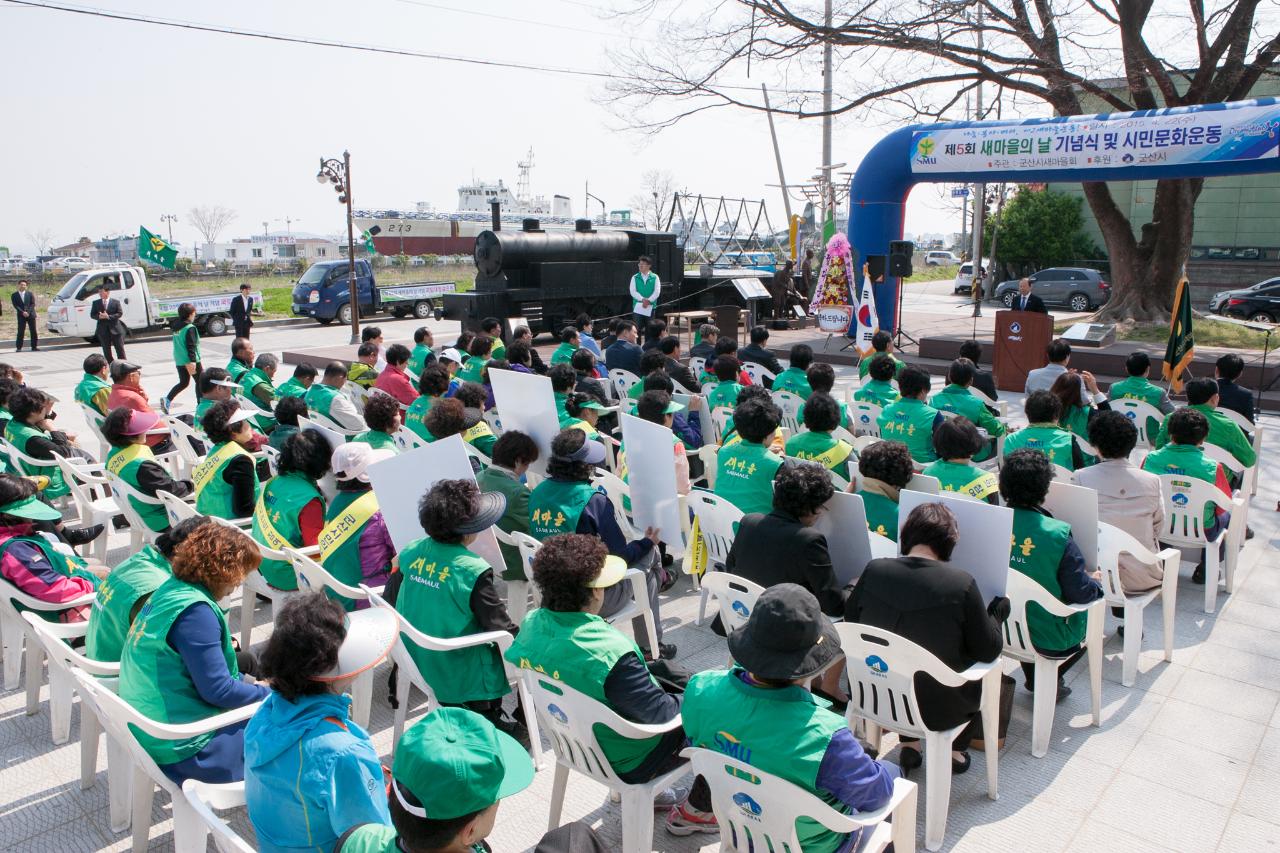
x: 1242, y: 137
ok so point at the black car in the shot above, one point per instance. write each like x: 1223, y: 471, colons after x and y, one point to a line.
x: 1260, y: 303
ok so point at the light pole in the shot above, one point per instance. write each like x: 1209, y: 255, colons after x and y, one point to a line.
x: 338, y: 173
x: 169, y: 218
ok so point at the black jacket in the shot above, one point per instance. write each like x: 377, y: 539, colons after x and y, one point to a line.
x: 760, y: 356
x: 1035, y: 305
x: 776, y: 548
x: 238, y: 313
x: 623, y: 355
x: 1232, y: 396
x: 24, y: 302
x: 986, y: 383
x: 679, y: 373
x: 110, y: 327
x: 702, y: 350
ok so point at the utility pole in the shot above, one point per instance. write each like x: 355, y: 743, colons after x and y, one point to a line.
x: 777, y: 154
x: 170, y: 219
x: 828, y: 203
x: 977, y: 288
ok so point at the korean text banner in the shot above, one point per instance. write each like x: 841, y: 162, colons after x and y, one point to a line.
x: 1100, y: 142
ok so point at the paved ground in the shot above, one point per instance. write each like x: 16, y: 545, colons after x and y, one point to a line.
x: 1188, y: 759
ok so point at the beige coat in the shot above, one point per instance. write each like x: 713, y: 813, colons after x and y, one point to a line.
x: 1129, y: 498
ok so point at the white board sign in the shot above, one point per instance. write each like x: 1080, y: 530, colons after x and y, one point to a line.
x: 985, y: 531
x: 1077, y: 506
x: 843, y: 521
x: 335, y: 440
x: 526, y: 403
x: 400, y: 482
x: 751, y: 288
x: 652, y: 479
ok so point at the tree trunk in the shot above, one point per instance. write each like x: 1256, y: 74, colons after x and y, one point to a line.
x: 1145, y: 273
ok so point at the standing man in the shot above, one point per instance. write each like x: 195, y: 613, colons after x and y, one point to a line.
x: 645, y: 290
x: 1028, y: 301
x: 242, y: 312
x: 806, y: 274
x: 110, y: 331
x: 24, y: 305
x: 784, y: 290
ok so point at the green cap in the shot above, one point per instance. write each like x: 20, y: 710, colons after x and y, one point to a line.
x: 672, y: 408
x: 592, y: 404
x: 454, y: 763
x: 32, y: 508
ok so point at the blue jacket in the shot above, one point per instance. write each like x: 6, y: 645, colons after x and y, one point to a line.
x: 310, y: 774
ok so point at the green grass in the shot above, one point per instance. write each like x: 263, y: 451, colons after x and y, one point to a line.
x: 924, y: 273
x: 1208, y: 333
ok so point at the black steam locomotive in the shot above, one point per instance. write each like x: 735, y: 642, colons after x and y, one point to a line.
x: 550, y: 277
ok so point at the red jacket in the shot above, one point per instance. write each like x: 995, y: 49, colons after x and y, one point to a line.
x: 132, y: 398
x: 396, y: 382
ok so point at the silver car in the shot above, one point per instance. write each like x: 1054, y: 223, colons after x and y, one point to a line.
x: 1077, y: 288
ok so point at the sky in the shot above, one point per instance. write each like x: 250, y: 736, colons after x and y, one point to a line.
x: 110, y: 124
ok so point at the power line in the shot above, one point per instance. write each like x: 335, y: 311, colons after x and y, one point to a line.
x: 497, y: 17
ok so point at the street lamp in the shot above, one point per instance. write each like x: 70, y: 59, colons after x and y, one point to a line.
x: 338, y: 173
x: 169, y: 218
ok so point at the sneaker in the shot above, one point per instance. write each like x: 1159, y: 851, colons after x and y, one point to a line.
x: 164, y: 405
x: 684, y: 819
x: 668, y: 797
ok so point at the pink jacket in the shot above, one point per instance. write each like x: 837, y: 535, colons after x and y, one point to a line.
x: 24, y: 566
x: 132, y: 398
x: 396, y: 382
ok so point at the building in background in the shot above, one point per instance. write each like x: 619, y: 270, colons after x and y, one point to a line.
x: 281, y: 249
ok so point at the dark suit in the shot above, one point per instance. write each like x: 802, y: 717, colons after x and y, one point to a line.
x: 241, y: 315
x: 985, y: 382
x: 110, y: 332
x: 776, y: 548
x: 1034, y: 304
x: 623, y: 355
x: 702, y: 350
x: 1230, y: 395
x: 24, y: 307
x: 679, y: 373
x: 762, y: 357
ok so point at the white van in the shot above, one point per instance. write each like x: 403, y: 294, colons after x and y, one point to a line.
x: 940, y: 259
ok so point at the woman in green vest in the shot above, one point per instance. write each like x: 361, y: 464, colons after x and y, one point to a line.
x: 288, y: 410
x: 355, y: 545
x: 567, y: 639
x: 186, y: 355
x: 911, y: 420
x: 513, y: 453
x: 449, y: 591
x: 821, y: 416
x: 956, y: 440
x: 879, y: 390
x: 1077, y: 409
x: 447, y: 417
x: 131, y: 460
x: 475, y: 429
x: 93, y: 389
x: 433, y: 384
x: 795, y: 379
x: 1044, y: 433
x: 1043, y: 550
x: 382, y: 416
x: 290, y: 512
x: 725, y: 394
x: 178, y: 664
x: 31, y: 431
x: 126, y: 589
x: 746, y: 468
x: 227, y: 480
x: 481, y: 346
x: 884, y: 469
x: 584, y: 413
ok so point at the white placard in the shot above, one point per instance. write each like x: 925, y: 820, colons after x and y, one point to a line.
x: 985, y: 530
x: 751, y: 288
x: 843, y: 521
x: 526, y: 403
x: 652, y: 479
x: 335, y: 440
x: 400, y: 482
x: 1077, y: 506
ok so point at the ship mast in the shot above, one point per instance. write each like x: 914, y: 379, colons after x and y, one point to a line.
x: 522, y: 182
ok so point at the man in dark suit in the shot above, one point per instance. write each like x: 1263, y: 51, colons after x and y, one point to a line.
x: 1230, y: 395
x: 24, y: 306
x: 110, y: 332
x: 755, y: 351
x: 670, y: 347
x: 705, y: 348
x: 1028, y: 301
x: 982, y: 379
x: 242, y: 312
x: 625, y: 352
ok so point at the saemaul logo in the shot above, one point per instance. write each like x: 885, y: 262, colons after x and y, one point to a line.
x: 732, y: 747
x: 1180, y: 499
x: 741, y: 609
x: 876, y: 664
x: 748, y: 805
x: 557, y: 715
x: 925, y: 147
x: 1016, y: 328
x: 865, y: 418
x: 1131, y: 415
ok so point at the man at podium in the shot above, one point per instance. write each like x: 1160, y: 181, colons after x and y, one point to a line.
x: 1028, y: 301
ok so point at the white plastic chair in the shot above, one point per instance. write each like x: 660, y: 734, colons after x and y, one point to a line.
x: 720, y: 422
x: 569, y: 719
x: 1022, y: 591
x: 517, y: 591
x: 202, y: 798
x: 272, y: 456
x: 623, y: 380
x: 476, y: 454
x: 15, y: 632
x: 842, y: 434
x: 1112, y: 542
x: 1001, y: 406
x: 1143, y: 415
x: 94, y: 420
x: 356, y: 394
x: 1245, y: 476
x: 494, y: 420
x: 758, y: 372
x: 410, y: 676
x: 790, y: 405
x: 254, y: 584
x: 126, y: 495
x: 182, y: 436
x: 735, y: 596
x: 88, y: 484
x: 758, y: 811
x: 330, y: 424
x: 1250, y: 429
x: 1184, y: 503
x: 865, y: 418
x: 696, y: 365
x: 709, y: 456
x: 882, y: 668
x: 616, y: 491
x: 718, y: 521
x: 24, y: 464
x: 406, y: 439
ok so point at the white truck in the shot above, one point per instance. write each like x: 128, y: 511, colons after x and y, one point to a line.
x: 68, y: 312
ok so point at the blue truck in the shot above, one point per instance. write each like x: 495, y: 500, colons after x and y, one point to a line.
x: 323, y: 293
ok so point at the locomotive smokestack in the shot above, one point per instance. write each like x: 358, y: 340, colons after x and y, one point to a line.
x: 531, y: 225
x: 582, y: 225
x: 495, y: 208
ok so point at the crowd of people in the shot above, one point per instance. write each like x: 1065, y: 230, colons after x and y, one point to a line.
x: 313, y: 779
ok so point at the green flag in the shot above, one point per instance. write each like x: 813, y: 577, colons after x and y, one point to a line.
x: 1182, y: 346
x: 368, y: 242
x: 157, y: 251
x: 829, y: 227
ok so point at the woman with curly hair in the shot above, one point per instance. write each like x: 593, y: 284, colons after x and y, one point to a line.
x: 884, y: 469
x: 449, y: 591
x: 433, y: 385
x: 132, y: 460
x: 227, y: 481
x: 382, y: 416
x: 311, y: 773
x: 290, y: 512
x: 475, y: 429
x: 447, y: 417
x: 179, y: 665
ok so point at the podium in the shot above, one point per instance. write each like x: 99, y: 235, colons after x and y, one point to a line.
x: 1021, y: 339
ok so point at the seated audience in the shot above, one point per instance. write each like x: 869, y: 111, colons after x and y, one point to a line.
x: 326, y: 398
x: 452, y: 360
x: 256, y: 383
x: 127, y: 391
x: 956, y: 397
x: 513, y: 453
x: 730, y: 435
x: 563, y: 379
x: 687, y: 427
x: 724, y: 346
x: 447, y: 417
x: 881, y: 343
x: 433, y: 383
x: 878, y: 388
x: 757, y: 352
x: 624, y: 353
x: 492, y: 327
x: 795, y: 379
x: 131, y: 460
x: 520, y: 357
x: 1058, y: 352
x: 957, y: 441
x: 910, y: 419
x: 1044, y: 433
x: 674, y: 365
x: 1230, y: 395
x: 652, y: 363
x: 396, y: 380
x: 8, y: 388
x: 569, y: 344
x: 884, y: 469
x: 382, y: 416
x: 475, y: 429
x: 725, y: 394
x: 584, y: 365
x: 821, y: 416
x: 363, y: 370
x: 822, y: 377
x: 241, y: 359
x: 226, y: 481
x: 983, y: 380
x: 1079, y: 405
x: 373, y: 335
x: 1202, y: 396
x: 311, y: 772
x: 1044, y: 551
x: 654, y: 331
x: 288, y: 410
x: 355, y: 545
x: 290, y: 512
x: 705, y: 347
x: 93, y: 389
x: 179, y: 666
x: 1136, y: 385
x: 584, y: 413
x: 524, y: 335
x: 480, y: 352
x: 937, y: 606
x: 747, y: 467
x: 422, y: 353
x: 304, y: 376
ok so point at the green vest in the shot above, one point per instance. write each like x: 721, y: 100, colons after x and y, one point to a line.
x: 499, y: 349
x: 473, y: 370
x: 832, y: 453
x: 362, y: 374
x: 251, y: 380
x: 139, y: 575
x: 237, y: 369
x: 882, y: 514
x: 581, y: 649
x: 877, y: 393
x: 18, y: 434
x: 794, y: 381
x: 1050, y: 439
x: 377, y: 439
x: 958, y: 399
x: 213, y: 493
x: 782, y: 731
x: 481, y: 436
x: 418, y: 360
x: 180, y: 345
x: 910, y: 421
x: 1223, y: 432
x: 563, y: 354
x: 1137, y: 388
x: 556, y: 505
x: 372, y: 838
x: 416, y: 417
x: 645, y: 285
x: 745, y: 477
x: 291, y: 388
x: 124, y: 462
x: 88, y: 389
x: 1076, y: 419
x: 153, y: 677
x: 435, y: 598
x: 723, y: 395
x: 346, y: 517
x: 320, y: 397
x: 864, y: 365
x: 844, y: 413
x: 203, y: 405
x: 276, y: 519
x: 562, y: 413
x: 1036, y: 550
x: 67, y: 566
x: 962, y: 477
x: 1187, y: 460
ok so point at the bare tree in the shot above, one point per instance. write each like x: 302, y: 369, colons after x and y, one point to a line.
x: 210, y: 220
x: 653, y: 203
x: 42, y: 239
x: 919, y: 58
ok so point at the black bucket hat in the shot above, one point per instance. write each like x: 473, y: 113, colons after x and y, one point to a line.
x: 786, y: 637
x: 489, y: 509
